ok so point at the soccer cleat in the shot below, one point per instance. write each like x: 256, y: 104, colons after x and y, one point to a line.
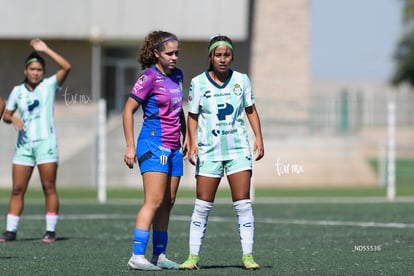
x: 190, y: 263
x: 8, y: 236
x: 163, y: 262
x: 49, y: 237
x: 136, y: 263
x: 249, y: 262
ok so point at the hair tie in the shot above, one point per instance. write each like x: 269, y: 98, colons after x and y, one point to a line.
x: 170, y: 38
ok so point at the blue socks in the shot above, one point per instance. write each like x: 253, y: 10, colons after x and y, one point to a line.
x: 159, y: 241
x: 140, y: 241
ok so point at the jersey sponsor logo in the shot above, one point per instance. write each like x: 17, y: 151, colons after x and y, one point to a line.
x: 237, y: 90
x: 222, y: 94
x: 224, y: 110
x: 207, y: 94
x: 159, y: 79
x: 175, y: 90
x: 21, y: 138
x: 217, y: 132
x: 33, y: 105
x: 136, y: 87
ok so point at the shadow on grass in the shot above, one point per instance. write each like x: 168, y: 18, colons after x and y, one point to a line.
x: 58, y: 239
x: 231, y: 266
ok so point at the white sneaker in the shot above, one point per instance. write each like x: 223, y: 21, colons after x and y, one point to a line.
x: 140, y: 263
x: 163, y: 262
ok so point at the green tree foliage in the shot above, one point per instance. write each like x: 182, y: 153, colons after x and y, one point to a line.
x: 404, y: 55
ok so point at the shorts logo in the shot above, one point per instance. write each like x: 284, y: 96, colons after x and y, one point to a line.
x: 163, y: 159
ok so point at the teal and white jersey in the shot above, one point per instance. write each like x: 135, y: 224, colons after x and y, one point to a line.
x: 221, y: 133
x: 35, y: 109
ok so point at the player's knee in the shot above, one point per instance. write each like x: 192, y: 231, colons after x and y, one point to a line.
x: 18, y: 191
x: 154, y: 203
x: 49, y: 188
x: 171, y: 202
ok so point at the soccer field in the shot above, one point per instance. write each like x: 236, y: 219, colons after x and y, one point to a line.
x: 308, y: 236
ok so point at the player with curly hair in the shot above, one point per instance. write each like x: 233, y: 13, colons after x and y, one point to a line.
x: 158, y: 152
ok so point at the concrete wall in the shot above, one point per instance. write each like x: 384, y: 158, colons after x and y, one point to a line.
x: 126, y: 20
x: 280, y: 58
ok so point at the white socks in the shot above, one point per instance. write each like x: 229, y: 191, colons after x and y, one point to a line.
x: 199, y: 220
x: 12, y: 223
x: 199, y: 224
x: 51, y: 221
x: 245, y: 218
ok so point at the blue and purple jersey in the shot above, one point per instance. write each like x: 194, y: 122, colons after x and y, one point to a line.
x: 161, y: 98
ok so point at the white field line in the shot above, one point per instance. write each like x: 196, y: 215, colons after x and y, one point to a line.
x: 363, y: 224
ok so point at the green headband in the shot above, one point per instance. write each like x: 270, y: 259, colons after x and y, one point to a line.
x: 31, y: 60
x: 219, y: 43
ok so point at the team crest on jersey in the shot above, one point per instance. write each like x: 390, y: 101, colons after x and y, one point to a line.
x: 237, y: 90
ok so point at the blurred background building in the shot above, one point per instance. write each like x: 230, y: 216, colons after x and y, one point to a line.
x: 316, y: 133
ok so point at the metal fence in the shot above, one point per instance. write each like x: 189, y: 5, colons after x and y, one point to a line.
x: 350, y: 122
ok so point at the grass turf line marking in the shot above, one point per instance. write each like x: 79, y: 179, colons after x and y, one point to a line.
x: 233, y: 219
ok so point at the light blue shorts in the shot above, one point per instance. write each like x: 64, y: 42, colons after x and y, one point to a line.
x: 155, y: 158
x: 31, y: 153
x: 216, y: 169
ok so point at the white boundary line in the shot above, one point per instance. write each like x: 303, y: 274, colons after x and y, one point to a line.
x: 258, y: 200
x: 363, y: 224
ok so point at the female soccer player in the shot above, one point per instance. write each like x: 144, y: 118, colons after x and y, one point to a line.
x: 159, y: 91
x: 36, y: 142
x: 217, y: 139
